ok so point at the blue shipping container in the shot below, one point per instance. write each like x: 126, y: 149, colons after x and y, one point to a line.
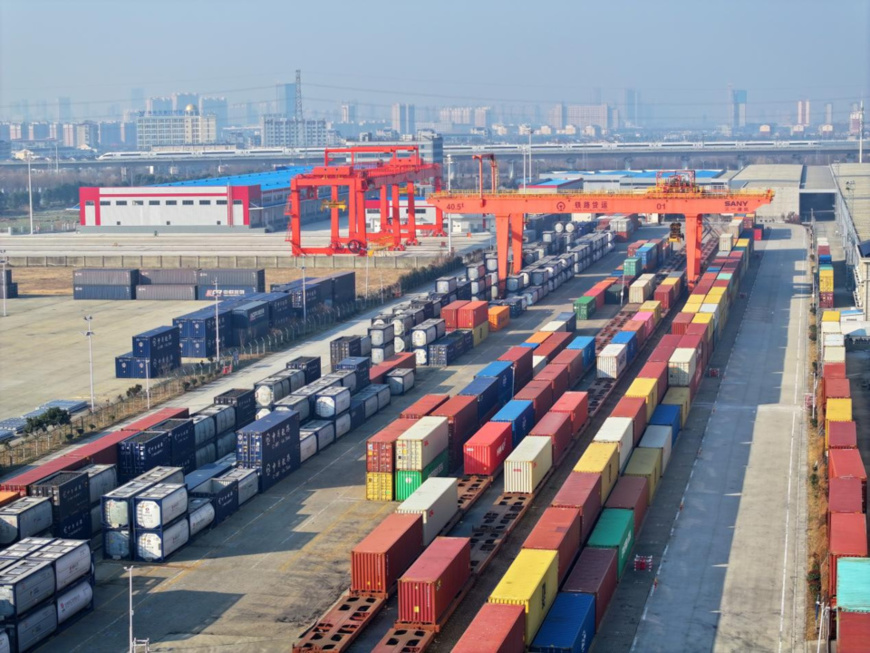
x: 569, y: 625
x: 155, y: 342
x: 204, y: 473
x: 586, y: 344
x: 521, y: 415
x: 274, y: 437
x: 224, y: 497
x: 529, y: 345
x: 629, y: 339
x: 206, y: 293
x: 667, y: 415
x: 503, y: 371
x: 486, y: 389
x: 141, y: 453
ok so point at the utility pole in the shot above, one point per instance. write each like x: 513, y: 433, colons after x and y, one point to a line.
x: 449, y: 217
x: 3, y: 279
x: 861, y: 133
x: 89, y: 334
x: 30, y: 189
x: 300, y: 121
x: 130, y: 609
x: 217, y: 324
x: 304, y: 302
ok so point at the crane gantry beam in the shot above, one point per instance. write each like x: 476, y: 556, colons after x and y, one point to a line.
x: 509, y: 209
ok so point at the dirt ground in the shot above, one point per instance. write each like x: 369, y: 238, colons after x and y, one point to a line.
x: 58, y: 281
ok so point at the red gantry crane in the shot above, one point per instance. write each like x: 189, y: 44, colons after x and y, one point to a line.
x: 405, y: 167
x: 675, y: 192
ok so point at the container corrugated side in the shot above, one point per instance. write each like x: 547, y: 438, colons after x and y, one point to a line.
x: 531, y: 581
x: 601, y: 458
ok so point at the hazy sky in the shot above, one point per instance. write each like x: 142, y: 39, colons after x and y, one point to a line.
x: 680, y: 54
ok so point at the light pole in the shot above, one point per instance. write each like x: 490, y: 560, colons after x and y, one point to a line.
x: 217, y: 325
x: 449, y: 216
x: 30, y: 190
x: 130, y: 598
x: 89, y: 334
x: 304, y: 303
x: 3, y: 279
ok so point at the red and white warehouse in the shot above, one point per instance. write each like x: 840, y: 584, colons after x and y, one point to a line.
x: 254, y: 201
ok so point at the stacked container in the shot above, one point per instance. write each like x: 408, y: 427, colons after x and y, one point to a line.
x: 421, y: 453
x: 271, y: 446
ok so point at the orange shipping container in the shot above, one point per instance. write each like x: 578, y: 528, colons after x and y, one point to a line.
x: 8, y: 497
x: 499, y: 317
x: 539, y: 336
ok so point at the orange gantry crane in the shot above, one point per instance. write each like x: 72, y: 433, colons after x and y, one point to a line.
x: 405, y: 168
x: 675, y: 192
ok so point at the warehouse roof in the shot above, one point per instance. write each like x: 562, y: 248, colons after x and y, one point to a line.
x: 265, y: 180
x: 770, y: 175
x: 818, y: 178
x: 856, y: 195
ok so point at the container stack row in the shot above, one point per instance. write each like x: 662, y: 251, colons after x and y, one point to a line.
x: 826, y: 273
x: 177, y: 284
x: 155, y: 353
x: 8, y: 288
x: 598, y: 511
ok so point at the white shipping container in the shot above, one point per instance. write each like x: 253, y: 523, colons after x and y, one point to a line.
x: 23, y: 584
x: 307, y: 445
x: 831, y: 327
x: 71, y: 559
x: 658, y: 437
x: 612, y: 361
x: 383, y: 394
x: 160, y: 505
x: 834, y: 340
x: 437, y: 499
x: 300, y: 404
x: 157, y: 546
x: 201, y: 515
x: 381, y: 334
x: 834, y: 355
x: 24, y: 517
x: 526, y: 466
x: 102, y: 479
x: 35, y: 627
x: 271, y: 389
x: 555, y: 325
x: 332, y: 402
x: 380, y: 354
x: 621, y: 431
x: 681, y: 367
x: 75, y: 600
x: 116, y: 544
x: 640, y: 290
x: 324, y: 430
x: 424, y: 334
x: 421, y: 444
x: 203, y: 429
x: 538, y: 364
x: 400, y: 381
x: 342, y: 425
x: 725, y: 242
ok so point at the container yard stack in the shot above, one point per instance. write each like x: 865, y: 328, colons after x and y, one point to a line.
x: 70, y: 497
x: 421, y: 453
x: 8, y: 288
x: 105, y: 283
x: 531, y: 582
x: 161, y: 526
x: 202, y: 330
x: 271, y: 446
x: 178, y: 284
x: 229, y: 283
x: 154, y: 354
x: 430, y: 588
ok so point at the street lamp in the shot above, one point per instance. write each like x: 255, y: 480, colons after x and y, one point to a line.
x: 130, y: 599
x: 304, y: 303
x: 3, y: 279
x: 30, y: 189
x: 89, y: 335
x: 217, y: 326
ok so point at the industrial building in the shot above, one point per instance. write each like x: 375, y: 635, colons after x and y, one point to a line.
x: 186, y: 127
x: 283, y: 131
x: 252, y: 201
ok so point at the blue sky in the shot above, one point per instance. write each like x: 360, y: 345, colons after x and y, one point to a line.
x: 681, y: 55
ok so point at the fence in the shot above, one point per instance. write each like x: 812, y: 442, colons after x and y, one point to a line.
x: 179, y: 381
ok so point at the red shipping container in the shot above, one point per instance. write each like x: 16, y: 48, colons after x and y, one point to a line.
x: 423, y: 406
x: 662, y: 353
x: 834, y: 371
x: 473, y: 314
x: 378, y: 372
x: 69, y: 462
x: 557, y: 375
x: 558, y: 530
x: 405, y: 360
x: 575, y: 404
x: 557, y: 427
x: 540, y: 393
x: 656, y: 370
x: 847, y: 538
x: 521, y: 357
x: 429, y: 586
x: 845, y: 495
x: 636, y: 327
x: 758, y: 233
x: 695, y: 342
x: 631, y: 493
x: 161, y: 415
x: 594, y: 573
x: 670, y: 341
x: 837, y: 389
x: 846, y: 463
x: 597, y: 293
x: 497, y: 628
x: 581, y: 490
x: 450, y: 314
x: 382, y: 557
x: 853, y: 632
x: 553, y: 345
x: 486, y: 450
x: 665, y: 295
x: 381, y: 447
x: 697, y: 329
x: 721, y: 283
x: 573, y: 360
x: 842, y: 435
x: 635, y: 409
x: 461, y: 414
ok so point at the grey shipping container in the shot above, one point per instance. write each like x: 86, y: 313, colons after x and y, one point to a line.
x: 169, y: 276
x: 104, y: 293
x: 102, y: 479
x: 23, y: 585
x: 248, y: 482
x: 106, y: 277
x: 33, y: 628
x: 23, y: 518
x: 180, y: 293
x: 233, y: 277
x: 70, y: 560
x: 9, y: 291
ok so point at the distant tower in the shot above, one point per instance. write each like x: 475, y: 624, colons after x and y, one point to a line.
x: 803, y: 113
x: 300, y: 123
x: 829, y: 114
x: 738, y: 109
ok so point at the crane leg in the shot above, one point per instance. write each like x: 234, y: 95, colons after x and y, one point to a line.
x: 694, y: 240
x: 502, y: 243
x: 397, y: 229
x: 333, y: 217
x: 385, y: 203
x: 517, y: 241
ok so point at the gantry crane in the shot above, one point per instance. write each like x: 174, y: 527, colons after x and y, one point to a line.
x: 404, y: 168
x: 674, y: 192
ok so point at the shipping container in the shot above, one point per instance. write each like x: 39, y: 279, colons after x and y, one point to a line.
x: 558, y: 529
x: 540, y: 393
x: 569, y: 625
x: 575, y: 404
x: 668, y: 415
x: 631, y: 493
x: 528, y: 464
x: 70, y: 560
x: 557, y: 427
x: 612, y: 361
x: 659, y: 437
x: 424, y: 441
x: 429, y: 586
x: 157, y: 546
x: 23, y: 518
x: 846, y: 495
x: 841, y: 435
x: 620, y: 431
x: 633, y: 408
x: 23, y: 585
x: 853, y: 632
x: 646, y: 463
x: 462, y: 415
x: 520, y: 415
x: 596, y: 574
x: 847, y: 538
x: 601, y: 458
x: 614, y: 530
x: 423, y: 406
x: 581, y: 491
x: 437, y: 500
x: 496, y: 629
x: 532, y: 582
x: 409, y: 481
x: 159, y: 505
x: 487, y: 449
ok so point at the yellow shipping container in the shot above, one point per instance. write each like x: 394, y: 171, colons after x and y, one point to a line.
x: 654, y: 307
x: 646, y: 389
x: 705, y: 318
x: 838, y: 410
x: 479, y: 333
x: 691, y: 308
x: 670, y: 281
x: 531, y: 581
x: 831, y: 316
x: 647, y: 463
x: 717, y: 291
x: 826, y: 285
x: 681, y: 397
x: 743, y: 242
x: 379, y: 486
x: 601, y: 458
x: 539, y: 336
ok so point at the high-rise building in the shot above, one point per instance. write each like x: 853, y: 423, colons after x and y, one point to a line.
x: 137, y: 99
x: 158, y: 105
x: 180, y: 101
x: 281, y: 131
x: 855, y: 121
x: 285, y: 100
x: 631, y: 109
x: 87, y: 134
x: 556, y: 118
x: 403, y: 119
x: 482, y: 117
x: 217, y: 107
x: 455, y: 115
x: 110, y: 134
x: 803, y: 113
x: 738, y: 109
x: 64, y: 109
x: 252, y: 113
x: 38, y: 131
x: 175, y: 128
x: 829, y: 114
x: 588, y: 115
x: 348, y: 112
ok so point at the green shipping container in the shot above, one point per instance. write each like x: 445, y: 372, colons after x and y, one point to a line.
x: 632, y: 266
x: 853, y: 584
x: 584, y: 307
x: 614, y: 530
x: 408, y: 482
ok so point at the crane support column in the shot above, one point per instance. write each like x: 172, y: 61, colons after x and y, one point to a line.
x: 385, y: 209
x: 517, y: 241
x: 439, y: 214
x: 502, y: 244
x: 295, y: 226
x: 412, y: 216
x: 694, y: 240
x: 397, y: 222
x: 360, y: 213
x: 333, y: 216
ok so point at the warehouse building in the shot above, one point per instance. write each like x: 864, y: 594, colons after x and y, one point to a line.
x: 252, y: 201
